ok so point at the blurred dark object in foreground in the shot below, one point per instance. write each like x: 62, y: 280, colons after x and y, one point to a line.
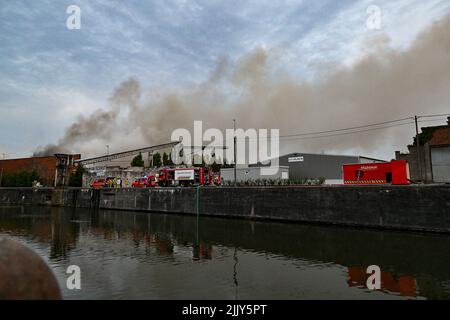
x: 24, y: 275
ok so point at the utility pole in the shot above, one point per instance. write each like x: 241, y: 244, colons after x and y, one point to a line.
x: 107, y: 149
x: 150, y: 159
x: 235, y: 156
x: 419, y: 166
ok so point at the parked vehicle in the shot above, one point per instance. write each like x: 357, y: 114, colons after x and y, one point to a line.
x: 151, y: 181
x: 98, y: 183
x: 192, y: 176
x: 139, y: 183
x: 145, y: 182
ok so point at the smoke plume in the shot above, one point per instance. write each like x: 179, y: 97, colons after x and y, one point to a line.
x: 384, y: 84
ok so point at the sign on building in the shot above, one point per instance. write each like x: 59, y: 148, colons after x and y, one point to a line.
x: 295, y: 159
x: 98, y: 173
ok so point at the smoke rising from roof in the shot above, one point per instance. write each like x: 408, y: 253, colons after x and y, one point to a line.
x: 384, y: 84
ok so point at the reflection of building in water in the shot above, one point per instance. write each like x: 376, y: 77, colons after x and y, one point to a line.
x: 405, y: 285
x: 163, y: 244
x: 57, y: 231
x: 202, y: 251
x: 64, y: 234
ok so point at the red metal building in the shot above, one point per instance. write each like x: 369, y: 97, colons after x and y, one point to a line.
x: 395, y: 172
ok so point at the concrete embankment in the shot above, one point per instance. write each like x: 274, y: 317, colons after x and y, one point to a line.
x: 421, y: 208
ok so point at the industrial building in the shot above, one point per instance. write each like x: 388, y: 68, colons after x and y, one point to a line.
x: 100, y: 167
x: 319, y: 166
x: 52, y: 170
x: 126, y: 175
x: 432, y: 161
x: 253, y: 173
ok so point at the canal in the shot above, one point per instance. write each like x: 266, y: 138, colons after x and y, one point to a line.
x: 128, y: 255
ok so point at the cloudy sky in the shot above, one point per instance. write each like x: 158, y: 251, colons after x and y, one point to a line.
x: 50, y: 74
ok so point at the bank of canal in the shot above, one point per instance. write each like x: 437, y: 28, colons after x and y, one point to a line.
x: 414, y: 208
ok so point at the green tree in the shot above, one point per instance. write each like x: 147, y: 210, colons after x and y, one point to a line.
x: 166, y: 160
x: 157, y: 160
x: 215, y: 167
x: 22, y: 178
x: 76, y: 178
x: 137, y: 161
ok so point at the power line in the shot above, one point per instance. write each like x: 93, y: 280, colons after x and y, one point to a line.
x: 306, y: 135
x: 359, y: 131
x: 345, y: 133
x: 346, y: 129
x: 398, y: 121
x: 434, y: 115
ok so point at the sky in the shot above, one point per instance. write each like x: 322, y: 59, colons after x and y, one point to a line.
x: 50, y: 74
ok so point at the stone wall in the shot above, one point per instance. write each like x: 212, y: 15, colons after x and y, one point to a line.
x: 423, y: 208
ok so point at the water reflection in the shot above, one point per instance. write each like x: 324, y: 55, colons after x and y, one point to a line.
x: 403, y: 285
x: 139, y: 255
x: 202, y: 251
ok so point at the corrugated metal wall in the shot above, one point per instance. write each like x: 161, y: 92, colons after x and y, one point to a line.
x: 252, y: 173
x: 440, y: 159
x: 314, y: 166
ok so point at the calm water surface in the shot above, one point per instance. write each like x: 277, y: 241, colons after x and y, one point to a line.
x: 127, y: 255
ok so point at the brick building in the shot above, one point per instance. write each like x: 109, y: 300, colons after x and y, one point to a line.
x: 52, y: 170
x: 434, y: 155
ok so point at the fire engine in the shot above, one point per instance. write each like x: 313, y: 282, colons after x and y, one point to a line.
x: 149, y: 181
x: 395, y: 172
x: 187, y: 177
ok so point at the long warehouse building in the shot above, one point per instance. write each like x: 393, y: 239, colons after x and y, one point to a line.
x: 316, y: 166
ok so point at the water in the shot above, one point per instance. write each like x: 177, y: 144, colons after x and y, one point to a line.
x: 127, y: 255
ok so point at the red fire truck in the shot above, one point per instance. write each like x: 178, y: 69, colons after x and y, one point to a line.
x: 149, y: 181
x: 187, y: 177
x: 395, y: 172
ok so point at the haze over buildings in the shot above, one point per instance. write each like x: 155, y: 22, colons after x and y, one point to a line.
x: 134, y: 73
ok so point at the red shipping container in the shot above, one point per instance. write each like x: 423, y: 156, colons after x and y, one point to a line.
x: 395, y: 172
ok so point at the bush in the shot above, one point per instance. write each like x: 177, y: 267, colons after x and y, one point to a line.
x: 137, y: 161
x: 76, y: 178
x: 276, y: 182
x: 156, y: 160
x: 23, y: 178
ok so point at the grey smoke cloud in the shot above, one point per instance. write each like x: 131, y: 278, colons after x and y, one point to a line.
x: 384, y: 84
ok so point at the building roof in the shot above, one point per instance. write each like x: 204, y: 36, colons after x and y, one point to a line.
x: 297, y: 154
x: 435, y: 136
x: 27, y: 158
x: 328, y: 155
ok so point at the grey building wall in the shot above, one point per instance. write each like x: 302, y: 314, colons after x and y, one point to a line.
x: 253, y: 173
x: 440, y: 159
x: 426, y: 172
x: 315, y: 166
